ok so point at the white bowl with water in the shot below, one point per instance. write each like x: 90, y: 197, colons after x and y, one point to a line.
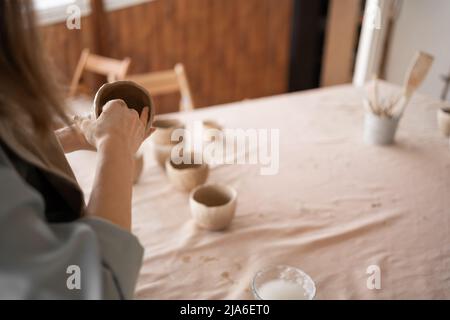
x: 283, y: 283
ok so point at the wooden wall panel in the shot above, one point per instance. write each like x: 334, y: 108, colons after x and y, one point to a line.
x: 279, y: 31
x: 232, y: 49
x: 340, y: 42
x: 223, y: 22
x: 64, y: 46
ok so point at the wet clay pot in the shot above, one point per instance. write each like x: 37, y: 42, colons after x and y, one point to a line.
x: 135, y: 96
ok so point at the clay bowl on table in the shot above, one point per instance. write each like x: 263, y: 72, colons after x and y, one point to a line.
x: 213, y: 131
x: 186, y: 176
x: 162, y: 152
x: 162, y: 142
x: 135, y: 96
x: 211, y: 124
x: 213, y: 206
x: 443, y: 117
x: 164, y: 130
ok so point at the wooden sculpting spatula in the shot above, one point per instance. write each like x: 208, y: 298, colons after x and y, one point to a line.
x: 416, y: 74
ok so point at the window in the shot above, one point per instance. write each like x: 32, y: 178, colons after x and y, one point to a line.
x: 111, y: 5
x: 54, y: 11
x: 49, y: 4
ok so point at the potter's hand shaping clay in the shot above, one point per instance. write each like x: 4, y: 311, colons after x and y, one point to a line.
x: 118, y: 123
x: 135, y: 97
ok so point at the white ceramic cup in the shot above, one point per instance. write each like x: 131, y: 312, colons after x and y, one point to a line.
x: 443, y: 118
x: 213, y: 206
x: 379, y: 130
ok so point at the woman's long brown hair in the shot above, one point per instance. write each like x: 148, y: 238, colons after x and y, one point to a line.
x: 27, y: 86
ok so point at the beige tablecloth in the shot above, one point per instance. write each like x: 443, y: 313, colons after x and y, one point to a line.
x: 336, y: 206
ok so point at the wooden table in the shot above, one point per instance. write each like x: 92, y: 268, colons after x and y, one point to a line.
x: 336, y: 207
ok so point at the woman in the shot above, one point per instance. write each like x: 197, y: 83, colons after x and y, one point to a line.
x: 52, y: 245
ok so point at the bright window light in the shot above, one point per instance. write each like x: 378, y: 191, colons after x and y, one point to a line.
x: 48, y: 4
x: 55, y: 11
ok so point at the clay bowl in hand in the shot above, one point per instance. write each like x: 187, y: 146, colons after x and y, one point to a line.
x: 135, y: 96
x: 164, y: 130
x: 186, y: 176
x: 213, y: 206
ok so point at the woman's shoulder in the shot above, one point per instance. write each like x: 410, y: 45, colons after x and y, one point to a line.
x: 13, y: 189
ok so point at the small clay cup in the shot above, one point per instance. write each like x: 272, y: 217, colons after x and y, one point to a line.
x: 162, y: 152
x: 135, y: 96
x: 208, y: 134
x: 164, y: 130
x: 211, y: 124
x: 443, y: 117
x: 186, y: 176
x: 213, y: 206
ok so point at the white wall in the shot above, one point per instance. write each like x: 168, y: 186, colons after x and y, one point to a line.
x: 421, y: 25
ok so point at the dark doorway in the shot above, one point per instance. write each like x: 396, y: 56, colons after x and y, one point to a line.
x: 307, y: 42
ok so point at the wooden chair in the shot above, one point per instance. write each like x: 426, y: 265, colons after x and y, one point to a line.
x: 168, y: 81
x: 113, y: 69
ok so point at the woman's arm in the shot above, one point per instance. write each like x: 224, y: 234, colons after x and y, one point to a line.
x: 117, y: 135
x: 111, y: 192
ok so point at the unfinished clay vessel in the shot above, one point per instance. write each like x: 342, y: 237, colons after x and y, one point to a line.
x: 162, y: 153
x: 164, y: 130
x: 135, y: 96
x: 212, y: 124
x: 213, y: 206
x: 186, y: 176
x: 443, y: 117
x: 212, y: 131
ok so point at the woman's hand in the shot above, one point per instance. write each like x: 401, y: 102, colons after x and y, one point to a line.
x: 117, y: 125
x: 72, y: 139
